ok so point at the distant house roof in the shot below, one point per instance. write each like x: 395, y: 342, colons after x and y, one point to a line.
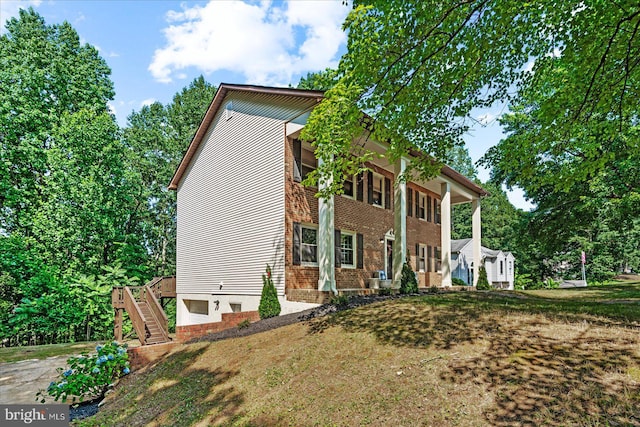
x: 458, y: 245
x: 314, y: 96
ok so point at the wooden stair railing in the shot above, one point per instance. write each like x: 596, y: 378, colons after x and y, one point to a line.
x: 145, y: 311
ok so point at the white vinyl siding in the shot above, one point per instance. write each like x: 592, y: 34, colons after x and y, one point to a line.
x: 231, y: 199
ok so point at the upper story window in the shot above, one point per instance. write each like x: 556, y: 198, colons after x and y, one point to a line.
x: 378, y: 190
x: 436, y: 202
x: 501, y: 267
x: 421, y: 205
x: 309, y: 162
x: 348, y: 186
x: 347, y: 249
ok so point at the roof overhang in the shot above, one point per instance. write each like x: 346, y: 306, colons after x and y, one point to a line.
x: 463, y: 189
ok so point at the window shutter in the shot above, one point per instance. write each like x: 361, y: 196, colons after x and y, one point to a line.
x: 360, y: 187
x: 370, y: 187
x: 360, y: 250
x: 418, y: 254
x: 410, y: 202
x: 297, y: 160
x: 429, y: 208
x: 338, y: 248
x: 435, y: 211
x: 417, y: 204
x: 297, y: 239
x: 387, y: 193
x: 428, y: 258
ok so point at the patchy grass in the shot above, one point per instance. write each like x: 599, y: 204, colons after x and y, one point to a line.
x: 15, y: 354
x: 468, y: 359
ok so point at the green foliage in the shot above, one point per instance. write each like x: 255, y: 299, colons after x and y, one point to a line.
x: 483, y: 282
x: 340, y: 300
x: 269, y: 304
x: 456, y: 281
x: 522, y: 282
x: 385, y: 291
x: 408, y: 282
x: 322, y: 80
x: 244, y: 324
x: 89, y: 376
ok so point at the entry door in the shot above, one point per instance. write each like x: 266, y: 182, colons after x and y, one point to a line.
x: 389, y: 259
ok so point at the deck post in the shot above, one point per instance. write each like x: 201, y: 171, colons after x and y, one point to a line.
x: 117, y: 328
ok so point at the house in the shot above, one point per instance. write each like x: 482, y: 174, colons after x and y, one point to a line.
x: 498, y: 264
x: 240, y: 206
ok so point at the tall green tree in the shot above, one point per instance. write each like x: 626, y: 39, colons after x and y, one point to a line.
x: 157, y: 136
x: 418, y: 68
x: 45, y: 72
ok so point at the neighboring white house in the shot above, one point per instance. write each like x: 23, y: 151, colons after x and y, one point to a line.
x: 500, y: 265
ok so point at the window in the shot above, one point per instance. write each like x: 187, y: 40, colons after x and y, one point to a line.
x: 236, y: 307
x: 438, y: 257
x: 422, y: 257
x: 421, y: 203
x: 501, y: 267
x: 437, y: 211
x: 309, y: 162
x: 378, y: 190
x: 309, y: 245
x: 347, y: 248
x: 510, y: 268
x: 348, y: 186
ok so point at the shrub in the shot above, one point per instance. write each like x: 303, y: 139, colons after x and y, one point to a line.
x: 523, y: 281
x: 456, y: 281
x: 408, y: 282
x: 483, y: 281
x: 269, y: 304
x: 340, y: 300
x: 89, y: 376
x: 244, y: 324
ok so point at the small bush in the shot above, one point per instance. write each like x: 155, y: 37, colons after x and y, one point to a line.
x: 456, y: 281
x: 269, y: 304
x: 483, y: 281
x: 244, y: 324
x: 340, y: 300
x: 408, y: 282
x: 523, y: 281
x: 385, y: 291
x: 89, y: 376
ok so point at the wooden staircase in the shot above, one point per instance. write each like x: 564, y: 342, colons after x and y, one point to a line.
x: 144, y: 309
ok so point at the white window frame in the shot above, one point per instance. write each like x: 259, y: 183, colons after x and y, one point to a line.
x: 354, y: 251
x: 302, y: 244
x: 422, y: 258
x: 353, y: 188
x: 422, y: 205
x: 380, y: 177
x: 305, y: 163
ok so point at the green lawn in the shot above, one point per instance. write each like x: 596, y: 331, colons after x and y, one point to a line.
x: 14, y: 354
x: 498, y: 358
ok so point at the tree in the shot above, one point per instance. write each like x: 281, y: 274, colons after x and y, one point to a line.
x: 44, y: 73
x: 269, y: 305
x: 322, y: 80
x: 483, y: 281
x: 157, y: 136
x: 418, y: 68
x: 408, y: 282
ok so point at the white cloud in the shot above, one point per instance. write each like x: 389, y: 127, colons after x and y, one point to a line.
x: 265, y: 42
x: 10, y: 8
x: 148, y: 101
x: 112, y: 108
x: 487, y: 118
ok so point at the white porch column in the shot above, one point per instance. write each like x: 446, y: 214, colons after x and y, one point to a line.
x: 445, y: 232
x: 399, y: 221
x: 476, y: 234
x: 326, y: 240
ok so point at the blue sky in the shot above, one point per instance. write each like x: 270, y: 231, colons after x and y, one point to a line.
x: 157, y: 47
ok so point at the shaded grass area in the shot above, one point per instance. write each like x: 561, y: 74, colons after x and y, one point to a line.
x: 14, y: 354
x: 469, y: 359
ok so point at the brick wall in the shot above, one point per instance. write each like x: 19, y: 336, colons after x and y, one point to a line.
x: 355, y: 216
x: 229, y: 320
x: 148, y: 354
